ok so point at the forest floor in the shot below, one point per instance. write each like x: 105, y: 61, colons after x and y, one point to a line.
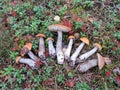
x: 22, y: 20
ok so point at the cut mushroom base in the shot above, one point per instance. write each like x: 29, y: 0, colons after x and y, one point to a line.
x: 69, y: 47
x: 89, y: 53
x: 27, y: 61
x: 78, y: 50
x: 51, y: 48
x: 41, y: 52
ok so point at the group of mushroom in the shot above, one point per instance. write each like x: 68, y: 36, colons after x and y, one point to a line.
x: 74, y: 58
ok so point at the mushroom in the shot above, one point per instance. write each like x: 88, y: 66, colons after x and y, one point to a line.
x: 51, y: 48
x: 59, y: 29
x: 84, y: 67
x: 41, y: 52
x: 78, y: 50
x: 91, y: 63
x: 27, y: 50
x: 89, y: 53
x: 27, y: 61
x: 69, y: 47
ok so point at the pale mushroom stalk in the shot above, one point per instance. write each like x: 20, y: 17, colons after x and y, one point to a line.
x: 68, y: 50
x: 51, y: 48
x: 32, y: 56
x: 87, y: 65
x: 60, y: 55
x: 78, y: 50
x: 89, y: 53
x: 69, y: 47
x: 41, y: 52
x: 27, y: 61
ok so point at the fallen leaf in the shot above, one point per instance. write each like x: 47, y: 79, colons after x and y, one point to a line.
x: 48, y: 82
x: 101, y: 61
x: 70, y: 83
x: 84, y: 28
x: 108, y: 73
x: 91, y: 20
x: 71, y: 32
x: 67, y: 23
x: 13, y: 13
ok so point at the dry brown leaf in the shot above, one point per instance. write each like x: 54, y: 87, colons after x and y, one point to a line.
x: 101, y: 61
x: 91, y: 20
x: 107, y: 60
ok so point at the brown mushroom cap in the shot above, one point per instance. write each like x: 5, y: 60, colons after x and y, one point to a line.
x: 101, y: 61
x: 40, y: 35
x: 71, y: 37
x: 17, y: 59
x: 28, y: 45
x: 50, y: 39
x: 26, y: 49
x: 59, y: 27
x: 85, y: 40
x: 98, y: 45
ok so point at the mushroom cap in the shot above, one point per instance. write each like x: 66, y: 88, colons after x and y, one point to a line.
x: 17, y: 59
x: 71, y: 37
x: 101, y: 61
x: 85, y: 40
x: 40, y: 35
x: 50, y: 39
x: 59, y: 27
x: 27, y: 47
x: 98, y: 45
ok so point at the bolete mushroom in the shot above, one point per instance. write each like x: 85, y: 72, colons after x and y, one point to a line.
x: 78, y: 50
x: 89, y: 53
x: 27, y: 50
x: 41, y: 52
x: 51, y: 48
x: 69, y: 47
x: 59, y: 29
x: 91, y: 63
x: 27, y: 61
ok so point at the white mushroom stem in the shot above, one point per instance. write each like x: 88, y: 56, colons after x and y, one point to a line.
x: 41, y: 52
x: 27, y: 61
x: 68, y: 50
x: 52, y: 51
x: 88, y: 54
x: 76, y: 53
x: 32, y: 56
x: 60, y: 55
x: 87, y: 65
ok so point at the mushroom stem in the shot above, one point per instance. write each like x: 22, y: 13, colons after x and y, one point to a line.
x: 28, y: 61
x: 32, y: 56
x: 87, y: 65
x: 76, y: 53
x: 68, y: 50
x: 88, y: 54
x: 52, y: 51
x: 60, y: 55
x: 41, y: 52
